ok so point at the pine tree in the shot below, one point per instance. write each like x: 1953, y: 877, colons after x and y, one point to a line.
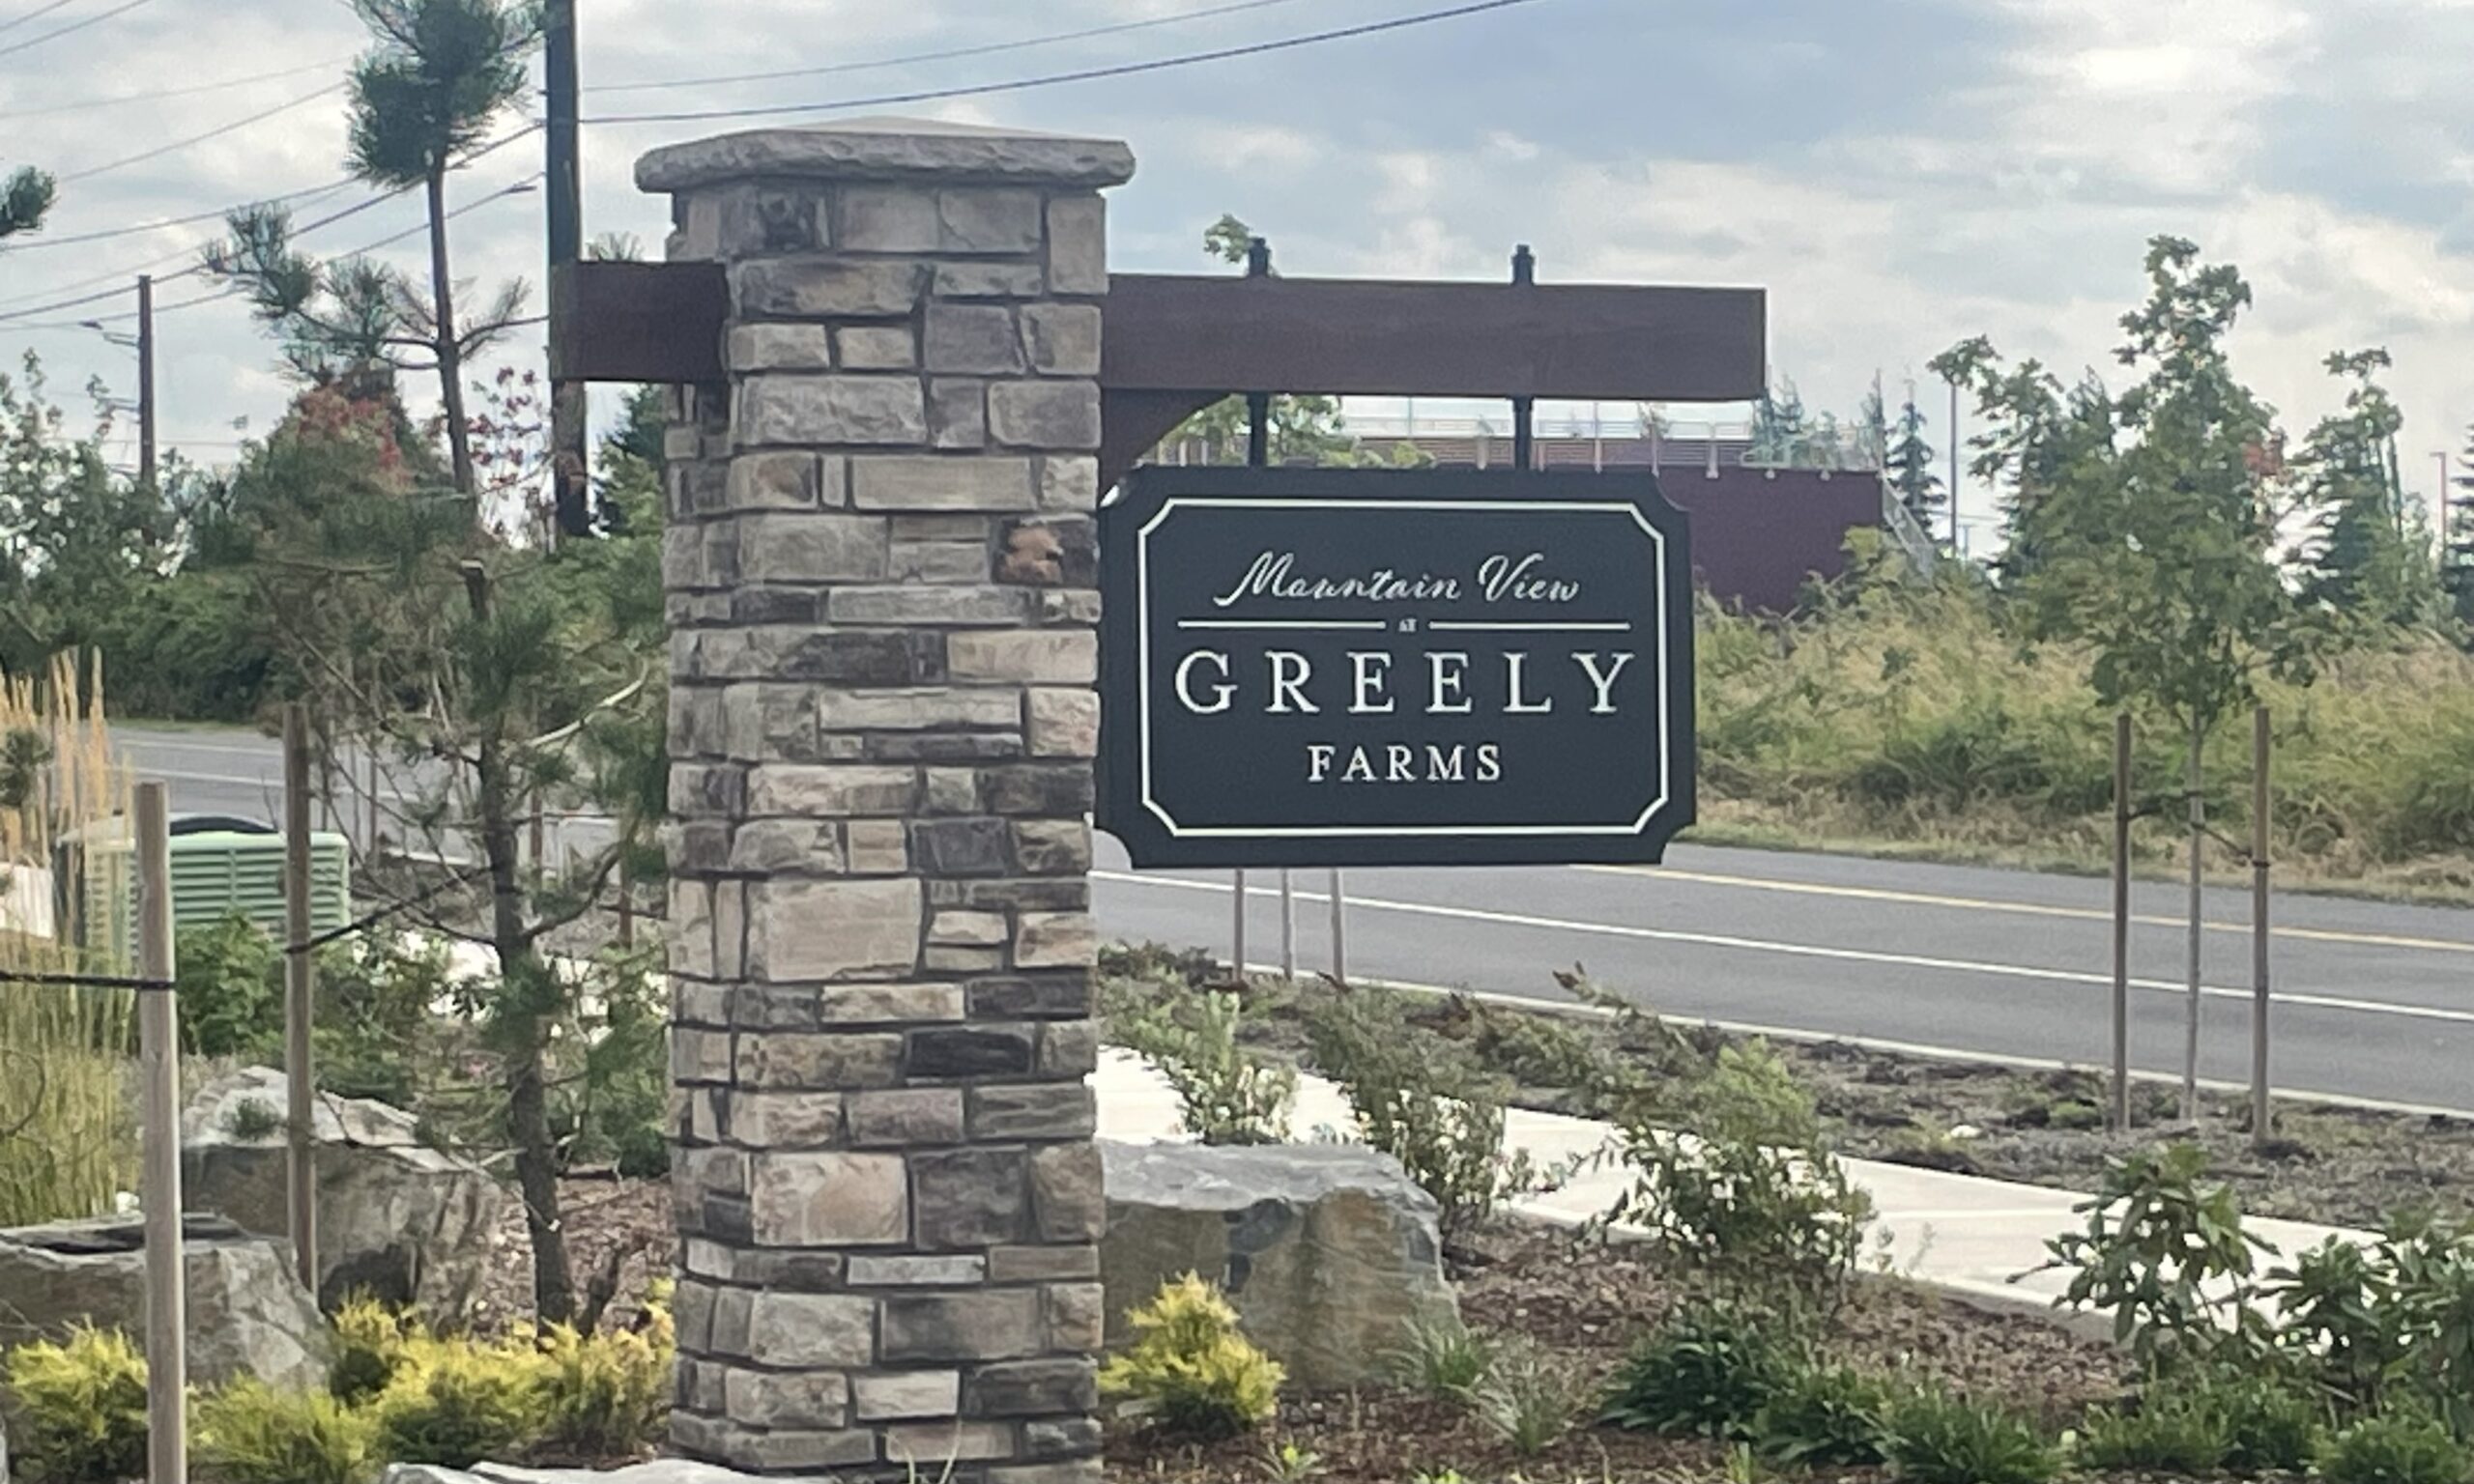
x: 1778, y: 429
x: 1909, y: 464
x: 25, y: 198
x: 2362, y: 561
x: 423, y: 99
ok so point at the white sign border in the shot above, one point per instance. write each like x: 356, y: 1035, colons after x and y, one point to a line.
x: 1143, y: 632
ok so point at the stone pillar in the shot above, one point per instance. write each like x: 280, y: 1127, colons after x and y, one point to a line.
x: 879, y: 569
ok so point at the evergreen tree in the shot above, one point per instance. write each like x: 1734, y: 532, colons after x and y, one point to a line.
x: 1778, y: 429
x: 423, y: 101
x: 1909, y: 464
x: 2363, y: 560
x: 25, y: 199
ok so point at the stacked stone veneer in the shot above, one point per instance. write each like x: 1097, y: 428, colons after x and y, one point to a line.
x: 882, y: 719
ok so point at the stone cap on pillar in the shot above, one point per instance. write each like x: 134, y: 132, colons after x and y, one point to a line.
x: 889, y: 149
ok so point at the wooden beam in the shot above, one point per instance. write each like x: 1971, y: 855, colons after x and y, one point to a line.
x: 1375, y: 337
x: 1196, y: 336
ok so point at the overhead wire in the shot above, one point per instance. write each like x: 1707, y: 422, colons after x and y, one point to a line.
x: 217, y: 132
x: 10, y: 316
x: 154, y: 94
x: 1083, y: 74
x: 33, y: 42
x: 36, y: 14
x: 948, y: 54
x: 136, y: 229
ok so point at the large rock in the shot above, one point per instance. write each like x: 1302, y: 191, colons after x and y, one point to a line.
x: 396, y: 1218
x: 1327, y: 1250
x: 248, y: 1313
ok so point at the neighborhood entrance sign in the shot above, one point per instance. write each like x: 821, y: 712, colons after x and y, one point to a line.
x: 1389, y: 667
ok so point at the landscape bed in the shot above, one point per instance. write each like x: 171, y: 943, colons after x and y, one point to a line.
x: 2329, y: 1164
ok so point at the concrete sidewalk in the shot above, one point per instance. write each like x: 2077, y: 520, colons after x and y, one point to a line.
x: 1961, y: 1233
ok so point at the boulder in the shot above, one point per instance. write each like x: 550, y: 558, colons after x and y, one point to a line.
x: 248, y: 1313
x: 1327, y: 1250
x: 398, y: 1219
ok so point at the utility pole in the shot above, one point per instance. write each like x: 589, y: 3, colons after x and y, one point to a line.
x: 159, y: 1057
x: 568, y: 412
x: 2260, y: 1119
x: 1524, y: 410
x: 299, y: 984
x: 2121, y: 1101
x: 146, y: 381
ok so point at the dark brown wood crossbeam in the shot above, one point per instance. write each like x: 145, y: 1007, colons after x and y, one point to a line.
x: 1174, y: 343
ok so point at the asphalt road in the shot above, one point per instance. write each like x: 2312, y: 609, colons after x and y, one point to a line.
x: 2370, y: 1000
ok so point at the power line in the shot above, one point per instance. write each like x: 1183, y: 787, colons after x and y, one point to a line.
x: 36, y: 14
x: 356, y: 209
x: 216, y: 132
x: 218, y: 214
x: 1086, y: 74
x: 192, y: 90
x: 949, y: 54
x: 31, y: 42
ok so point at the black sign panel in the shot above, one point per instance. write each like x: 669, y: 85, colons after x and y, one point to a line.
x: 1386, y: 667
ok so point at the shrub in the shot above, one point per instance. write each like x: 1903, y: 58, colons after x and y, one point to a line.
x: 2169, y: 1258
x: 2268, y: 1425
x: 80, y: 1415
x: 2337, y: 1319
x: 2403, y: 1446
x: 605, y: 1395
x: 1706, y: 1372
x: 230, y: 980
x: 1442, y: 1358
x: 2429, y: 1264
x: 1826, y: 1414
x: 454, y: 1402
x: 1528, y: 1400
x: 370, y: 1344
x: 1419, y: 1098
x: 1750, y: 1198
x: 1228, y: 1095
x: 1936, y: 1438
x: 2175, y: 1427
x: 249, y: 1432
x: 1188, y: 1370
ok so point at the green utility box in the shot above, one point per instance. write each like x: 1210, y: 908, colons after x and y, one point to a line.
x: 219, y: 866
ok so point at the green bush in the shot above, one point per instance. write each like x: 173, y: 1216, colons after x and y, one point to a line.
x: 376, y: 1034
x: 1528, y: 1400
x: 1188, y: 1370
x: 2167, y: 1257
x: 1706, y: 1372
x: 2337, y: 1319
x: 1228, y: 1094
x: 1937, y: 1437
x: 455, y: 1403
x: 370, y: 1343
x: 230, y: 980
x: 2402, y: 1447
x: 80, y: 1408
x: 1419, y: 1098
x: 1442, y: 1357
x: 249, y: 1432
x: 1751, y: 1198
x: 1829, y: 1415
x: 2268, y: 1425
x: 607, y: 1395
x: 2175, y: 1427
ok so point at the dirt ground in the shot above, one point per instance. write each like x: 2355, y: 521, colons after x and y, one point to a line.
x: 1584, y: 1302
x: 2339, y: 1166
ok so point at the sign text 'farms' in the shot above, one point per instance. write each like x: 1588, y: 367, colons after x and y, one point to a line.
x: 1318, y: 667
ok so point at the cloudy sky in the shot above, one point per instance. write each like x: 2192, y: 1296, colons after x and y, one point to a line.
x: 1897, y: 173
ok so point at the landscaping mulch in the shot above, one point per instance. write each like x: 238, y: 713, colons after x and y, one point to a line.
x: 1584, y: 1302
x: 619, y: 1234
x: 2334, y: 1165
